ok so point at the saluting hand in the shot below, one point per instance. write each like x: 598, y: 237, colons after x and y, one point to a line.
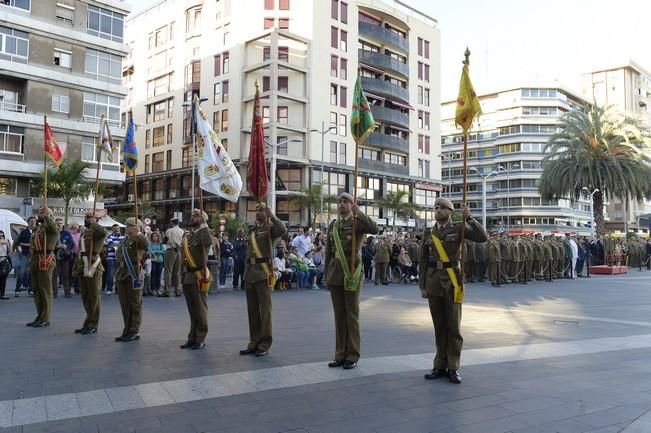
x: 465, y: 212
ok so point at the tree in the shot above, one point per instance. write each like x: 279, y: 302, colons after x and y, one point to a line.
x: 145, y: 210
x: 232, y: 224
x: 597, y: 148
x: 310, y: 198
x: 67, y: 182
x: 399, y: 203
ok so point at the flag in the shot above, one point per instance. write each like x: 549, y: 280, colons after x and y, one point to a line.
x: 256, y: 172
x: 467, y: 102
x: 130, y: 150
x: 105, y: 140
x: 217, y: 173
x: 361, y: 119
x: 51, y: 147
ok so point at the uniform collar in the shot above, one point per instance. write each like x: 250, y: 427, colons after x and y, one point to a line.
x: 442, y: 226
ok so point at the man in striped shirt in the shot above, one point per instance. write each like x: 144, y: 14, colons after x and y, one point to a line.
x: 112, y: 242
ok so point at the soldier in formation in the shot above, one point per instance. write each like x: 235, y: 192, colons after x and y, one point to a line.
x: 41, y: 265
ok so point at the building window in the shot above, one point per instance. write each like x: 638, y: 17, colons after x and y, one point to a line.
x: 334, y: 10
x: 342, y: 153
x: 148, y: 139
x: 61, y: 104
x: 158, y: 136
x: 266, y: 84
x: 426, y: 72
x: 265, y: 114
x: 426, y: 43
x: 333, y: 152
x: 159, y: 110
x: 65, y: 14
x: 62, y: 58
x: 218, y: 65
x: 103, y: 66
x: 159, y: 86
x: 160, y: 37
x: 283, y: 54
x: 266, y: 54
x: 420, y: 70
x: 343, y: 46
x: 20, y: 4
x: 423, y: 168
x: 344, y: 13
x: 333, y: 121
x: 170, y: 133
x: 89, y: 151
x: 96, y: 105
x: 283, y: 5
x: 420, y: 46
x: 12, y: 139
x: 224, y: 92
x: 193, y: 73
x: 158, y: 162
x: 186, y: 159
x: 333, y: 94
x: 224, y: 120
x: 268, y: 23
x: 192, y: 19
x: 420, y: 94
x: 283, y: 84
x: 226, y: 63
x: 426, y: 121
x: 395, y: 159
x: 147, y: 164
x: 343, y: 69
x: 105, y: 23
x: 369, y: 154
x: 170, y: 108
x: 14, y: 45
x: 268, y: 5
x: 334, y: 66
x: 343, y: 125
x: 217, y: 93
x: 291, y: 177
x: 281, y: 145
x: 426, y: 98
x: 334, y: 37
x: 215, y: 121
x: 283, y: 115
x: 343, y: 96
x: 283, y: 23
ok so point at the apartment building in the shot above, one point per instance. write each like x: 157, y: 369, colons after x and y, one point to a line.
x: 627, y: 87
x: 505, y: 150
x: 305, y: 56
x: 62, y: 59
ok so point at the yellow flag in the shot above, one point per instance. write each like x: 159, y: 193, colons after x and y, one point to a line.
x: 467, y: 102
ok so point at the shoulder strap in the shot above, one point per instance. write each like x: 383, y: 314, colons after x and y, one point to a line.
x: 443, y: 256
x: 340, y: 254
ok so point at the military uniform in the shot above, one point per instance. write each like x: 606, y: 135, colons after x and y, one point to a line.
x: 345, y: 303
x: 439, y: 290
x: 515, y: 251
x: 258, y: 292
x: 538, y: 258
x: 480, y: 260
x: 130, y: 289
x: 381, y: 258
x: 494, y: 257
x: 505, y: 264
x: 88, y: 267
x: 41, y: 267
x: 548, y: 259
x: 469, y: 261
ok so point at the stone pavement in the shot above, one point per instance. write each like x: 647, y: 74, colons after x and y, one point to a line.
x: 570, y: 356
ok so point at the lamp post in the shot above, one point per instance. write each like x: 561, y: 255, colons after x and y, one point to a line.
x: 190, y: 104
x: 508, y: 192
x: 323, y: 131
x: 272, y: 165
x: 483, y: 192
x: 591, y: 208
x: 449, y: 158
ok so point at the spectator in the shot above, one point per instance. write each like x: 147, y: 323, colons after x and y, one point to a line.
x: 319, y: 265
x: 226, y: 250
x: 172, y: 259
x: 63, y: 254
x: 157, y: 255
x: 76, y: 236
x: 145, y: 273
x: 239, y: 255
x: 311, y: 269
x: 368, y: 251
x: 382, y: 256
x: 5, y: 263
x: 406, y: 265
x: 113, y: 241
x: 303, y: 242
x: 23, y: 250
x: 318, y: 241
x: 284, y: 275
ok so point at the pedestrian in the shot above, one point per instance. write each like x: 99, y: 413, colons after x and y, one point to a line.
x: 260, y: 278
x: 63, y: 254
x: 76, y: 236
x: 172, y: 260
x: 343, y: 277
x: 226, y: 252
x: 439, y: 282
x: 368, y: 251
x: 88, y: 270
x: 196, y: 278
x: 157, y: 254
x: 5, y: 263
x: 41, y: 266
x: 129, y: 258
x: 23, y: 256
x: 113, y: 241
x: 239, y: 259
x: 381, y: 258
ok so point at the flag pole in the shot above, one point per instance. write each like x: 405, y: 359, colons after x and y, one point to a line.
x: 45, y: 161
x: 99, y: 163
x: 465, y: 179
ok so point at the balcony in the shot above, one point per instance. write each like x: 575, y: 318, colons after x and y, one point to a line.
x: 384, y: 62
x: 10, y: 106
x: 380, y: 166
x: 385, y: 36
x: 385, y: 89
x: 387, y: 115
x: 388, y: 142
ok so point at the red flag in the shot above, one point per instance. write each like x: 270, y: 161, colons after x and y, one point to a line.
x: 51, y: 147
x: 256, y: 172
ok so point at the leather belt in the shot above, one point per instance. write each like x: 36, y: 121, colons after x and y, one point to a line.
x: 439, y: 265
x: 257, y: 260
x: 175, y: 249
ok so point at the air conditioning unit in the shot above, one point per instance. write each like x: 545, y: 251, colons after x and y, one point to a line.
x: 130, y: 197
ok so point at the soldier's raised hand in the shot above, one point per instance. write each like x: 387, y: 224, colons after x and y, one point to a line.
x: 465, y: 212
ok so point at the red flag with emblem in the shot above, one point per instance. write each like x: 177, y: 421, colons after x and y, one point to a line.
x: 51, y: 147
x: 256, y: 173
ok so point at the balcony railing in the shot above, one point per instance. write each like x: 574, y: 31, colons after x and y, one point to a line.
x: 97, y: 120
x: 386, y: 141
x: 386, y: 36
x: 385, y: 88
x: 10, y: 106
x: 381, y: 166
x: 384, y: 62
x: 387, y: 115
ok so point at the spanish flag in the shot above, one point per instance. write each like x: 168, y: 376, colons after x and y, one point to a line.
x: 51, y: 147
x: 467, y: 102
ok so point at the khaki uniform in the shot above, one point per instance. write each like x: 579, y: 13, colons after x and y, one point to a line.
x: 469, y: 261
x: 345, y: 303
x: 199, y: 242
x: 505, y: 263
x: 258, y: 292
x: 381, y: 258
x: 130, y: 296
x: 47, y: 234
x: 480, y: 261
x: 548, y: 260
x: 91, y: 285
x: 494, y: 257
x: 172, y: 260
x: 515, y: 251
x: 434, y: 280
x: 538, y: 259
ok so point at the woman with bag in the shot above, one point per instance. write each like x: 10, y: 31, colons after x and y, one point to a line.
x: 5, y: 263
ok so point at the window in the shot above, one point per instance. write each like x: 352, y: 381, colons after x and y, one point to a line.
x: 218, y: 65
x: 14, y: 45
x: 344, y: 13
x: 283, y: 114
x: 224, y: 120
x: 343, y: 125
x: 334, y: 10
x: 420, y: 94
x: 539, y: 93
x: 226, y: 63
x: 333, y: 152
x: 158, y: 136
x: 95, y: 105
x: 291, y: 177
x: 224, y: 92
x: 160, y: 36
x: 283, y: 23
x: 334, y: 66
x: 395, y: 159
x: 157, y: 162
x: 343, y: 46
x: 20, y: 4
x: 61, y: 104
x: 148, y: 139
x: 423, y: 168
x: 265, y: 115
x: 333, y: 120
x: 281, y: 145
x: 420, y: 70
x: 266, y: 84
x: 420, y: 46
x: 343, y: 96
x: 426, y: 98
x: 426, y: 126
x: 217, y: 93
x: 425, y: 197
x: 283, y: 5
x: 369, y: 154
x: 342, y: 153
x: 89, y: 151
x: 268, y: 23
x: 105, y: 23
x: 426, y: 49
x: 65, y: 14
x: 62, y: 58
x: 334, y: 37
x: 159, y: 110
x: 343, y: 69
x: 268, y: 5
x: 192, y: 19
x: 103, y: 66
x: 193, y: 73
x: 333, y: 94
x: 170, y: 108
x: 283, y: 84
x: 283, y: 54
x: 12, y: 139
x: 266, y: 54
x: 215, y: 121
x: 159, y: 86
x: 426, y: 72
x: 186, y: 161
x: 170, y: 133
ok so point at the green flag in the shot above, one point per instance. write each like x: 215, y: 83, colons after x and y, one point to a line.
x: 361, y: 119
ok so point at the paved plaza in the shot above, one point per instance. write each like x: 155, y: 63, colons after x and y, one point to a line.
x: 566, y: 357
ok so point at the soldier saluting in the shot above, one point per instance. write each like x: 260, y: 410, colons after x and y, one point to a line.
x: 439, y: 268
x: 343, y: 280
x: 88, y: 267
x: 41, y: 265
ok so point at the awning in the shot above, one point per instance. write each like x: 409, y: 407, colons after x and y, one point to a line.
x: 107, y: 221
x: 373, y: 95
x: 402, y: 105
x: 399, y: 128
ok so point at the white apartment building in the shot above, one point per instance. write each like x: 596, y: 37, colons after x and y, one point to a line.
x: 627, y: 87
x: 505, y: 149
x: 305, y: 55
x: 62, y: 59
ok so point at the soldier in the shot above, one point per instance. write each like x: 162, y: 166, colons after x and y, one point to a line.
x: 343, y: 280
x: 515, y: 249
x: 538, y: 258
x: 494, y: 258
x: 88, y: 268
x: 548, y: 257
x: 505, y: 253
x: 469, y: 261
x: 480, y: 260
x: 381, y: 257
x: 439, y: 282
x: 196, y: 279
x: 527, y: 241
x: 412, y: 251
x: 41, y: 265
x: 259, y: 278
x: 130, y: 255
x: 609, y: 251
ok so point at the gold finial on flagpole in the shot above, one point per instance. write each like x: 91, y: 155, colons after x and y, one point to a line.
x: 467, y: 54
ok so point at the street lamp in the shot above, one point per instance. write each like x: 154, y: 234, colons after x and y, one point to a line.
x: 508, y: 192
x: 449, y: 158
x: 483, y: 192
x: 190, y: 104
x: 591, y: 208
x: 272, y: 168
x: 323, y: 132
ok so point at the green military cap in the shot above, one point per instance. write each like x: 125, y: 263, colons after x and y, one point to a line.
x: 444, y: 202
x: 131, y: 221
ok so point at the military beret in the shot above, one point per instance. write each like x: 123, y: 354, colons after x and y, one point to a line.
x: 201, y: 213
x: 441, y: 201
x: 131, y: 221
x: 261, y: 205
x: 347, y: 197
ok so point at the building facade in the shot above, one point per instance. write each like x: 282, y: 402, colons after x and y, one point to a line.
x: 305, y: 56
x: 505, y: 150
x: 62, y: 60
x: 627, y: 87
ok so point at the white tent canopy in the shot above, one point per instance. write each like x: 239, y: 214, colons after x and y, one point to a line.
x: 107, y: 221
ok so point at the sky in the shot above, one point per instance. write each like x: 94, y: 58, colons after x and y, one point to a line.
x: 524, y: 42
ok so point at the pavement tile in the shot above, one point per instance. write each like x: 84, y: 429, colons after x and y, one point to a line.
x: 562, y: 426
x: 124, y: 397
x: 94, y: 402
x: 62, y: 406
x: 28, y: 411
x: 154, y: 394
x: 6, y: 408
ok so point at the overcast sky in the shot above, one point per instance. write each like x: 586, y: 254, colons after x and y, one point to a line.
x: 516, y: 42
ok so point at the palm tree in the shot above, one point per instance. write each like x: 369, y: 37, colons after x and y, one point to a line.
x: 597, y: 148
x: 68, y: 182
x: 310, y: 198
x: 399, y: 203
